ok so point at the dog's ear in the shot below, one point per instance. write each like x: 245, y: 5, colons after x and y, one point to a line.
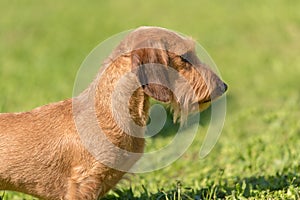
x: 150, y: 66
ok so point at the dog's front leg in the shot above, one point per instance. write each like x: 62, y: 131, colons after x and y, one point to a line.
x: 84, y: 184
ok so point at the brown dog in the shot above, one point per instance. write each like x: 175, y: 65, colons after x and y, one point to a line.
x: 41, y: 152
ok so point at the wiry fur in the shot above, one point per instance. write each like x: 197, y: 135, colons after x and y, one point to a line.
x: 41, y: 152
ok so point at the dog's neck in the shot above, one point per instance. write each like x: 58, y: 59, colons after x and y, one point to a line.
x: 118, y: 102
x: 119, y: 91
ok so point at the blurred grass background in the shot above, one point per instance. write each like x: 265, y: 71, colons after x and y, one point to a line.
x: 255, y: 44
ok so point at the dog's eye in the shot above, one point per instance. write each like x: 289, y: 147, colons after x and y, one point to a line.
x: 184, y: 57
x: 190, y: 57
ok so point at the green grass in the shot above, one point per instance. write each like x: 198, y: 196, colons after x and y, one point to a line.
x: 255, y: 45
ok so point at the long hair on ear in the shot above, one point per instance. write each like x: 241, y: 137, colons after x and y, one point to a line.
x: 150, y: 64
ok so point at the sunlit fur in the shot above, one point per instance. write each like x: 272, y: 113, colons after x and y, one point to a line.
x: 41, y: 151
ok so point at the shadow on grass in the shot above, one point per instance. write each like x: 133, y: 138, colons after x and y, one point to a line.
x: 236, y: 188
x: 170, y: 128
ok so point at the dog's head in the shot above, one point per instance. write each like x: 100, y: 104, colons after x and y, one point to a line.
x: 157, y: 53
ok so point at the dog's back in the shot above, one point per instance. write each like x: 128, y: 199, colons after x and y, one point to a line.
x: 41, y: 154
x: 33, y: 146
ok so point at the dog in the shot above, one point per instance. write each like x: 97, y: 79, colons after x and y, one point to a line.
x: 41, y: 151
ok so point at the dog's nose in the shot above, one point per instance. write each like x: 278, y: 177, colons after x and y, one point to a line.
x: 219, y: 90
x: 225, y: 87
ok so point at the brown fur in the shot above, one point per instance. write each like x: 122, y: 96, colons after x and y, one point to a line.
x: 41, y: 152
